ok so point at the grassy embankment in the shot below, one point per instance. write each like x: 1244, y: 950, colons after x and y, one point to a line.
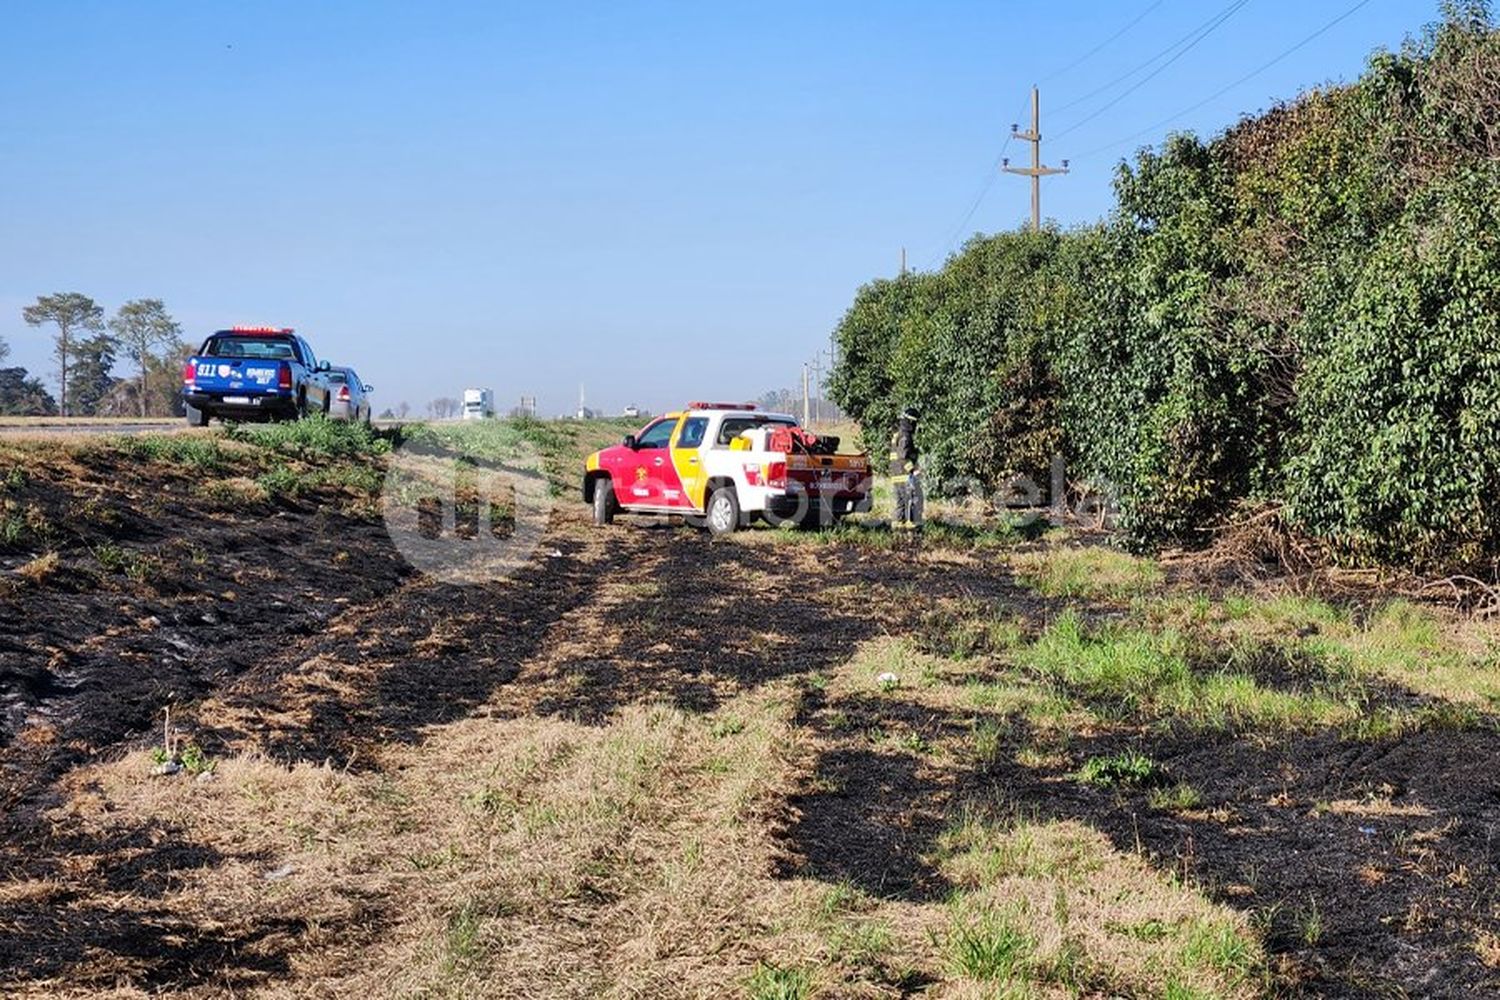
x: 647, y: 853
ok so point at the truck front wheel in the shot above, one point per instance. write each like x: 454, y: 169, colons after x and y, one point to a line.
x: 605, y: 504
x: 723, y: 514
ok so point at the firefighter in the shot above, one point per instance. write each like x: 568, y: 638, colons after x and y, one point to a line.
x: 905, y: 470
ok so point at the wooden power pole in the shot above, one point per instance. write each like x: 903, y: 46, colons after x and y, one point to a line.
x: 1036, y: 171
x: 806, y: 407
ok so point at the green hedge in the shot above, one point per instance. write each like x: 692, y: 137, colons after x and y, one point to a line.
x: 1301, y: 312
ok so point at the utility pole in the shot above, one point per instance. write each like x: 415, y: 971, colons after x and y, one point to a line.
x: 817, y: 367
x: 806, y: 407
x: 1036, y: 171
x: 903, y: 262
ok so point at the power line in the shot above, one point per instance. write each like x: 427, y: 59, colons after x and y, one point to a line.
x: 1100, y: 47
x: 1211, y: 22
x: 1227, y: 88
x: 989, y: 181
x: 995, y: 169
x: 1233, y: 9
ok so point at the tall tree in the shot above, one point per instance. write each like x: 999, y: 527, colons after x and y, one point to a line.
x: 72, y: 313
x: 165, y: 397
x: 24, y: 397
x: 90, y: 381
x: 141, y: 326
x: 4, y: 349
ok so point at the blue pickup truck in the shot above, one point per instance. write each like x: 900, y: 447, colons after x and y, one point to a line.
x: 254, y: 373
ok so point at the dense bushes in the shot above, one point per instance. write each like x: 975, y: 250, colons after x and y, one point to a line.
x: 1304, y: 312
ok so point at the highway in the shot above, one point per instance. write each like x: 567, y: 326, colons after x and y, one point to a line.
x: 27, y: 426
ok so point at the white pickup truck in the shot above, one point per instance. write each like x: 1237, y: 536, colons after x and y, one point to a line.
x: 724, y: 464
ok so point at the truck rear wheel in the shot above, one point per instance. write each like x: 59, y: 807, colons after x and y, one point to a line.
x: 605, y: 504
x: 723, y: 514
x: 195, y: 416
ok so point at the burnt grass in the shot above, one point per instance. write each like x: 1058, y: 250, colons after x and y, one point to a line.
x: 239, y: 597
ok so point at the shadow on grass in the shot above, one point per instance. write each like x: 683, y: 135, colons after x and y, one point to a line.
x: 97, y: 911
x: 1369, y: 865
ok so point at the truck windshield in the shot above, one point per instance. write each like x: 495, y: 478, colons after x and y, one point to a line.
x: 260, y: 348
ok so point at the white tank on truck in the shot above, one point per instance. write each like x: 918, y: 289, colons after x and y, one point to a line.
x: 479, y: 404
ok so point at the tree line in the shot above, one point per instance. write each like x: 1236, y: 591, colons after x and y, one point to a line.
x: 1296, y: 321
x: 86, y: 347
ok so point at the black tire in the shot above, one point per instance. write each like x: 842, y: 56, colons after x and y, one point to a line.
x: 605, y: 504
x: 723, y: 512
x: 195, y: 416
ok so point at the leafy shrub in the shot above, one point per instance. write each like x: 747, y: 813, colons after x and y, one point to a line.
x: 1130, y: 768
x: 1303, y: 311
x: 1398, y: 458
x: 315, y: 437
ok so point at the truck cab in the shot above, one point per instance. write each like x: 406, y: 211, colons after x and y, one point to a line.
x: 254, y: 373
x: 725, y: 464
x: 479, y: 404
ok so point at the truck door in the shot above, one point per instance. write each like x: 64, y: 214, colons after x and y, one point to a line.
x: 687, y: 459
x: 316, y: 386
x: 651, y: 479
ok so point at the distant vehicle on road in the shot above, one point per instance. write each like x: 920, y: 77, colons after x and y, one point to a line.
x: 479, y: 404
x: 722, y: 464
x: 631, y: 411
x: 254, y: 373
x: 351, y: 400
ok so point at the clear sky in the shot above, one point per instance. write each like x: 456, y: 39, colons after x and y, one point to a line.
x: 660, y: 201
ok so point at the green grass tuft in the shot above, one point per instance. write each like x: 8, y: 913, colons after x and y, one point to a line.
x: 772, y: 982
x: 990, y: 946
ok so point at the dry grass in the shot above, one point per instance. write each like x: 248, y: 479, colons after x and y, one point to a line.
x: 1076, y: 915
x: 649, y: 850
x: 1425, y: 650
x: 524, y: 857
x: 1086, y: 571
x: 530, y: 856
x: 39, y: 570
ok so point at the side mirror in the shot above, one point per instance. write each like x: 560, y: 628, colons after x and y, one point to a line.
x: 368, y: 388
x: 323, y: 366
x: 629, y: 441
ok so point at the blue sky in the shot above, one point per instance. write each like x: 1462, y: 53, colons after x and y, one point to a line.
x: 660, y: 201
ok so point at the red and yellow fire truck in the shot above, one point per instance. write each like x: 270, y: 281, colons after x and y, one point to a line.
x: 723, y: 465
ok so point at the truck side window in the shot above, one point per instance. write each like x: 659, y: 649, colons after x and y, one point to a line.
x: 731, y: 428
x: 691, y: 435
x: 657, y: 435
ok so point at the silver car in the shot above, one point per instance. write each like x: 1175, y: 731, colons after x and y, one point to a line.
x: 348, y: 397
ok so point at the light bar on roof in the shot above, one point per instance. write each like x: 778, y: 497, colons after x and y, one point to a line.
x: 721, y: 406
x: 260, y: 329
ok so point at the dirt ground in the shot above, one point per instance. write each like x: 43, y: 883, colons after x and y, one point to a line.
x: 292, y: 630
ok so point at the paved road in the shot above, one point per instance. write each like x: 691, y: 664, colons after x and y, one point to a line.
x: 46, y: 425
x: 50, y: 426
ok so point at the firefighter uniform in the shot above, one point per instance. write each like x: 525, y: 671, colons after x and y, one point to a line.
x: 906, y: 471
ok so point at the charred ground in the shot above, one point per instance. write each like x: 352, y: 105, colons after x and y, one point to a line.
x: 651, y: 764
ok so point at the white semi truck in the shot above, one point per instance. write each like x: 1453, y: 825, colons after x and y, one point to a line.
x: 479, y: 404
